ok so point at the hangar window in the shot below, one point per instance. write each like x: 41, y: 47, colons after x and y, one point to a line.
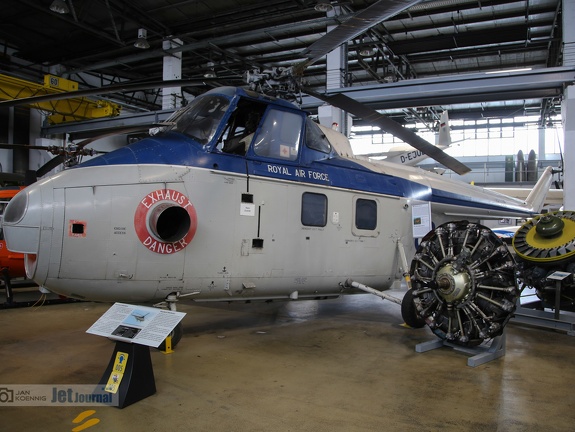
x: 314, y: 209
x: 365, y: 214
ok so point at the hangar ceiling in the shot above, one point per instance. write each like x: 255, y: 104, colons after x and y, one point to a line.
x: 93, y: 42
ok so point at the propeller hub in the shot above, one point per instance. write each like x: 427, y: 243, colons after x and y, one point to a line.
x: 453, y: 286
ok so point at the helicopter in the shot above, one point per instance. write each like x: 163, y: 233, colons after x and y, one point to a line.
x: 281, y: 216
x: 242, y: 197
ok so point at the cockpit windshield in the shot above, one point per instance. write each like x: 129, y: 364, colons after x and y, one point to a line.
x: 201, y: 118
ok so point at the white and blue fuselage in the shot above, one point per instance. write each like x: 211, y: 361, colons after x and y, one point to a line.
x: 187, y: 212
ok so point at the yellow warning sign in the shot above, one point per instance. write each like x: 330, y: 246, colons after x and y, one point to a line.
x: 117, y: 372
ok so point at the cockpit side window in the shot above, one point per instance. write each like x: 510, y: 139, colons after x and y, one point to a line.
x: 279, y: 135
x: 314, y: 137
x: 201, y: 118
x: 241, y: 127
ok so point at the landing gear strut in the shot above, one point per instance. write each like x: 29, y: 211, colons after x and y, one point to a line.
x: 463, y: 283
x: 177, y: 333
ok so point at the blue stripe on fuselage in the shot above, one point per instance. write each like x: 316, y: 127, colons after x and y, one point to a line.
x: 176, y: 149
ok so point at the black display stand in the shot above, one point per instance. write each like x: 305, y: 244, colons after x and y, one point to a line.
x: 138, y: 380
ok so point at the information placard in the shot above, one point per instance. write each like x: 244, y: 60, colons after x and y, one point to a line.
x: 421, y: 219
x: 136, y: 324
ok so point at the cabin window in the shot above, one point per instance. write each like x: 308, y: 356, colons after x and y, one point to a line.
x: 314, y: 209
x: 315, y: 138
x: 279, y: 135
x: 365, y: 214
x: 201, y: 118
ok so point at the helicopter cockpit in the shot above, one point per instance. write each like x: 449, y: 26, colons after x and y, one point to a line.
x: 270, y: 131
x: 249, y: 126
x: 200, y: 120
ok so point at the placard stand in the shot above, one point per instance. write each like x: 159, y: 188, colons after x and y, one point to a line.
x: 135, y: 329
x: 137, y: 375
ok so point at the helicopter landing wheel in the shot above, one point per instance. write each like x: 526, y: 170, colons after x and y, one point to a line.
x: 409, y: 311
x: 463, y: 283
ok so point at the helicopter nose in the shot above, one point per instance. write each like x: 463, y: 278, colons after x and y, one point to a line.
x: 22, y: 221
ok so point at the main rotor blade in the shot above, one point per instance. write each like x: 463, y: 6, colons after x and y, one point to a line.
x: 50, y: 165
x: 21, y: 146
x: 356, y: 25
x: 373, y: 117
x: 31, y: 176
x: 11, y: 177
x: 61, y: 158
x: 115, y: 88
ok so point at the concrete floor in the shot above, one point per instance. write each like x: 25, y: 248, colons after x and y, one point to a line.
x: 336, y: 365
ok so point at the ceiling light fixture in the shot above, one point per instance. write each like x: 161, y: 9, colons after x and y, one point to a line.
x: 508, y: 71
x: 367, y: 52
x: 142, y: 41
x: 211, y: 72
x: 59, y: 6
x: 323, y: 6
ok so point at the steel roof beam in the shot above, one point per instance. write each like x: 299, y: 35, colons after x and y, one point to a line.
x: 467, y: 88
x: 459, y: 89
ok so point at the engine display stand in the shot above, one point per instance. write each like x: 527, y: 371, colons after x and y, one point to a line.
x: 129, y: 373
x: 479, y: 354
x: 534, y: 313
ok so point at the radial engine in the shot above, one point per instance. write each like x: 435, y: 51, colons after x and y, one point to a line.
x: 466, y: 281
x: 463, y: 284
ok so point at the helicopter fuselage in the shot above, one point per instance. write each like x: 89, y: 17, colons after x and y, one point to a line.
x: 189, y: 212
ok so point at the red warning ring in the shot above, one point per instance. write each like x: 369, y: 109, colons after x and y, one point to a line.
x: 142, y: 220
